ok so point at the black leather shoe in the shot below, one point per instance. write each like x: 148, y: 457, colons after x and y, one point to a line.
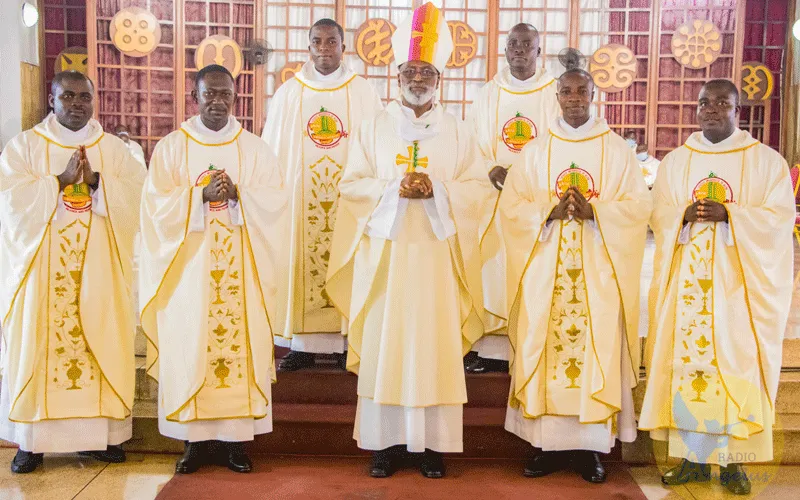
x: 25, y: 462
x: 195, y: 455
x: 687, y: 472
x: 544, y: 463
x: 483, y: 365
x: 470, y: 358
x: 588, y: 465
x: 384, y: 462
x: 296, y: 360
x: 341, y: 361
x: 112, y: 455
x: 432, y: 465
x: 735, y: 479
x: 238, y: 461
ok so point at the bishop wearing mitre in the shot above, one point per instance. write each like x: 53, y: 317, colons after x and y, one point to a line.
x: 405, y: 268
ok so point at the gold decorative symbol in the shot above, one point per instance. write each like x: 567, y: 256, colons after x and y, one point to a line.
x: 572, y: 372
x: 219, y: 49
x: 412, y: 161
x: 517, y: 132
x: 713, y: 188
x: 72, y: 58
x: 699, y: 385
x: 697, y: 45
x: 465, y: 44
x: 613, y: 67
x: 135, y: 31
x: 758, y: 83
x: 77, y: 198
x: 289, y: 70
x: 575, y: 177
x: 325, y: 129
x: 374, y: 42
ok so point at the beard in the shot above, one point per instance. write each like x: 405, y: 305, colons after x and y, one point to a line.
x: 418, y: 99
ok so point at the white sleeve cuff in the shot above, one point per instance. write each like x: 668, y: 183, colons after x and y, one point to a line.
x: 197, y: 212
x: 546, y: 230
x: 99, y: 201
x: 438, y: 210
x: 235, y: 213
x: 385, y: 219
x: 727, y: 235
x: 598, y: 237
x: 683, y: 237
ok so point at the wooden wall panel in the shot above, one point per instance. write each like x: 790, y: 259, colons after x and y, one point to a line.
x: 33, y: 105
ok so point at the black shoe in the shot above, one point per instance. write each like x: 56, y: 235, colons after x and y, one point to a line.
x: 483, y: 365
x: 734, y: 478
x: 432, y: 465
x: 687, y: 472
x: 544, y: 463
x: 238, y: 461
x: 112, y: 455
x: 470, y: 358
x: 25, y: 462
x: 588, y: 465
x: 296, y: 360
x: 341, y: 361
x: 384, y: 462
x: 195, y: 455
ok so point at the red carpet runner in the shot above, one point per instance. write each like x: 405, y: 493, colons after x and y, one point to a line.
x: 321, y: 478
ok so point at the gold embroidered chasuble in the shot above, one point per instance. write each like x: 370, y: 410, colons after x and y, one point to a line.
x: 506, y: 116
x: 567, y: 350
x: 209, y: 274
x: 412, y: 300
x: 309, y: 124
x: 67, y: 318
x: 720, y: 300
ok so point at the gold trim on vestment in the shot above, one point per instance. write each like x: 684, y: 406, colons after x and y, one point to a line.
x: 51, y: 141
x: 189, y: 136
x: 345, y: 84
x: 526, y: 92
x: 737, y: 150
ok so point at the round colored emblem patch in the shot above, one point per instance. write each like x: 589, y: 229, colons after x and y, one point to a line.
x: 575, y: 177
x: 714, y: 189
x: 202, y: 181
x: 77, y: 198
x: 325, y: 129
x: 517, y: 132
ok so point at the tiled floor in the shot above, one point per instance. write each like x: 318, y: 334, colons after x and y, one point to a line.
x: 142, y: 477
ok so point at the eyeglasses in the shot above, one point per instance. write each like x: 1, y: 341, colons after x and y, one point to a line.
x: 425, y: 73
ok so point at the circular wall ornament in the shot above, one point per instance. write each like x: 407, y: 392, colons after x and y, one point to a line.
x: 758, y: 82
x: 613, y: 67
x: 288, y: 71
x: 135, y: 31
x: 72, y: 58
x: 697, y: 45
x: 465, y: 44
x: 219, y: 49
x: 374, y: 42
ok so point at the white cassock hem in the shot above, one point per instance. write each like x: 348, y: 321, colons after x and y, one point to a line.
x: 438, y: 428
x: 62, y: 436
x: 229, y: 429
x: 493, y: 347
x: 317, y: 343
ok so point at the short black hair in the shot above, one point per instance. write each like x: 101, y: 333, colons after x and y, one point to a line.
x: 529, y: 26
x: 576, y: 71
x: 725, y: 84
x: 328, y: 22
x: 212, y: 68
x: 72, y: 75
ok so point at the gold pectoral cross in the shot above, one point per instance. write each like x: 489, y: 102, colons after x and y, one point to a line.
x: 412, y: 160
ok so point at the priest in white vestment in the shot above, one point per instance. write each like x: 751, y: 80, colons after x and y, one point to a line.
x: 136, y: 150
x: 309, y: 123
x: 575, y: 212
x: 405, y: 266
x: 723, y: 220
x: 510, y: 111
x: 212, y: 237
x: 70, y: 208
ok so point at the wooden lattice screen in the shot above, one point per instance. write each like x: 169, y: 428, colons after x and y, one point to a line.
x: 151, y: 94
x: 64, y: 26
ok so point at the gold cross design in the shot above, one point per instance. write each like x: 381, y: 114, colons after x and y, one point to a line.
x: 428, y: 35
x: 411, y: 160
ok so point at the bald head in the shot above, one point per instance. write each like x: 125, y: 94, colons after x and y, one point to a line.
x: 69, y: 76
x: 718, y: 110
x: 522, y: 50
